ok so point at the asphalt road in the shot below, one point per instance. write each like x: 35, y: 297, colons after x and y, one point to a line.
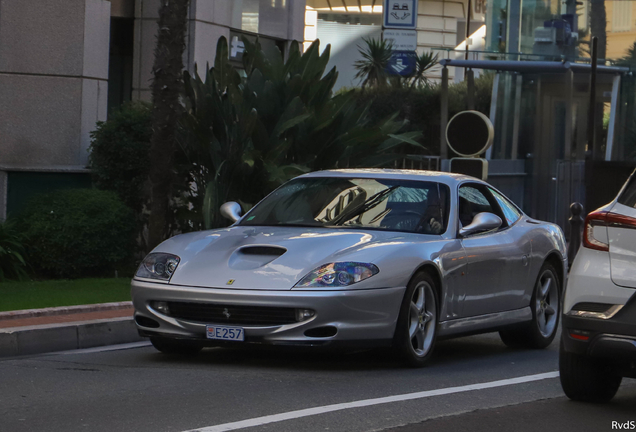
x: 472, y: 384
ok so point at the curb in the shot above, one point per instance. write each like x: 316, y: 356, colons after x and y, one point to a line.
x: 20, y: 341
x: 64, y: 310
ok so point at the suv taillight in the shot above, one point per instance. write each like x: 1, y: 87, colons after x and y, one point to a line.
x: 594, y: 219
x: 605, y: 219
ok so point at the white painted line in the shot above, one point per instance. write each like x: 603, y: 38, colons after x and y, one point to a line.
x: 258, y: 421
x: 117, y: 347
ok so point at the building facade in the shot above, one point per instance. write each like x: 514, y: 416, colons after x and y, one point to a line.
x: 63, y: 65
x: 441, y: 28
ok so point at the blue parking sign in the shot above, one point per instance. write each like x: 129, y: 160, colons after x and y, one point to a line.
x: 402, y: 63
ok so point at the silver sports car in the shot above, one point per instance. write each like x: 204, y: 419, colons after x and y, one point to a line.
x: 358, y: 257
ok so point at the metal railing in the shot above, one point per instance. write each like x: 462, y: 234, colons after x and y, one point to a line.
x: 418, y: 162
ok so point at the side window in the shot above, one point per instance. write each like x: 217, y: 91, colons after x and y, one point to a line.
x: 628, y: 197
x: 471, y: 202
x: 510, y: 212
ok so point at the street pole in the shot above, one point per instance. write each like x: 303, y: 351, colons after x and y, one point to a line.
x: 443, y: 152
x: 591, y: 109
x: 468, y: 27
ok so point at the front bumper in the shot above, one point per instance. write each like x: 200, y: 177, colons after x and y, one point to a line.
x: 366, y: 317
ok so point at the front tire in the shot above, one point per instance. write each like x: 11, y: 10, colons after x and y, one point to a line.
x: 175, y: 346
x: 546, y: 305
x: 416, y: 330
x: 586, y: 379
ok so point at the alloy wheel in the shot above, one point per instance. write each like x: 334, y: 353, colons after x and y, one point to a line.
x: 422, y: 318
x: 547, y: 303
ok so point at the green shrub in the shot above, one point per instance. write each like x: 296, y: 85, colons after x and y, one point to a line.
x: 119, y: 153
x: 78, y: 232
x: 12, y: 253
x: 420, y: 106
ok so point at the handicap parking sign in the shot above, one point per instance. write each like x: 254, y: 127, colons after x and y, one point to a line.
x: 402, y: 63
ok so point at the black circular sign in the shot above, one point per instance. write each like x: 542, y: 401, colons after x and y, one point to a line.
x: 469, y: 133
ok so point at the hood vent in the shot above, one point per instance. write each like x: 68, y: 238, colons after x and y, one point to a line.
x: 263, y: 250
x: 253, y: 257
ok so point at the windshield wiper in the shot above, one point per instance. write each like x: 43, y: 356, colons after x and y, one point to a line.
x: 370, y: 203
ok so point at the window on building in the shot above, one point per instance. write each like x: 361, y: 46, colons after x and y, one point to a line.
x: 265, y: 17
x: 621, y: 15
x: 120, y: 64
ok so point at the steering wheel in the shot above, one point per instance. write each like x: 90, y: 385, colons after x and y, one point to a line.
x: 406, y: 223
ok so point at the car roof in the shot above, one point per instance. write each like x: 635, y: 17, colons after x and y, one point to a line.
x: 396, y: 174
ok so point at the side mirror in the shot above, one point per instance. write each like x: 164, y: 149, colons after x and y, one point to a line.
x: 483, y: 221
x: 232, y: 211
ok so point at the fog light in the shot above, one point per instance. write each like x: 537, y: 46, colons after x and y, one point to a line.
x: 161, y: 307
x: 304, y: 314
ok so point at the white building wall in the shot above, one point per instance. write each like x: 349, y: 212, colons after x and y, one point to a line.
x: 437, y: 27
x: 344, y: 40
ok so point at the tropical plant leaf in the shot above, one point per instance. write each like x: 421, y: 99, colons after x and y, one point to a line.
x: 408, y: 137
x: 281, y: 120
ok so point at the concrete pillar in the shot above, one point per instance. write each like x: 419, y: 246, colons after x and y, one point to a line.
x: 209, y: 20
x: 53, y: 80
x: 3, y: 195
x: 296, y: 20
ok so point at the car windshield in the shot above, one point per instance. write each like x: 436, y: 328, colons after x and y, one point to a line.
x: 392, y: 205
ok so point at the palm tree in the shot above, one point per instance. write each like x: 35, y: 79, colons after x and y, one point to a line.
x: 629, y: 59
x: 423, y: 64
x: 166, y: 108
x: 375, y: 59
x: 598, y: 24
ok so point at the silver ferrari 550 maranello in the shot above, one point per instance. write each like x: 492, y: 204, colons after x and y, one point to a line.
x: 358, y: 257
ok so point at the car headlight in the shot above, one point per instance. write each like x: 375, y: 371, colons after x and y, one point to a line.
x: 338, y: 274
x: 159, y: 266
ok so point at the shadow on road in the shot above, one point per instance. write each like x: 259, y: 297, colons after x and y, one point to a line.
x: 474, y: 349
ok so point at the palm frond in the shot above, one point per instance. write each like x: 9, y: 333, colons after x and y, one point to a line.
x: 376, y: 55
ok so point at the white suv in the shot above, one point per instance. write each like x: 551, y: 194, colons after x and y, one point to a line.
x: 598, y: 345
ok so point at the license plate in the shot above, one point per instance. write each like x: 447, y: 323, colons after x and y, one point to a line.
x: 225, y: 333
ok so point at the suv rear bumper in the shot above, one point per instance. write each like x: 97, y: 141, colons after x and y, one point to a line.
x: 612, y: 339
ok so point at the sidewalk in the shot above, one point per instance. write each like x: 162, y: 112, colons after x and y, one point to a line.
x: 38, y: 331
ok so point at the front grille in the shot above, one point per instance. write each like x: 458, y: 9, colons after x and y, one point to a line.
x: 591, y: 307
x: 239, y: 315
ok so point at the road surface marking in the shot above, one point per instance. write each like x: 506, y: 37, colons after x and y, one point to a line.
x: 258, y: 421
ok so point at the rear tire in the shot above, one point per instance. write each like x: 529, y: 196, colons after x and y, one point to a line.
x: 546, y: 308
x: 416, y: 330
x: 587, y: 379
x: 175, y: 346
